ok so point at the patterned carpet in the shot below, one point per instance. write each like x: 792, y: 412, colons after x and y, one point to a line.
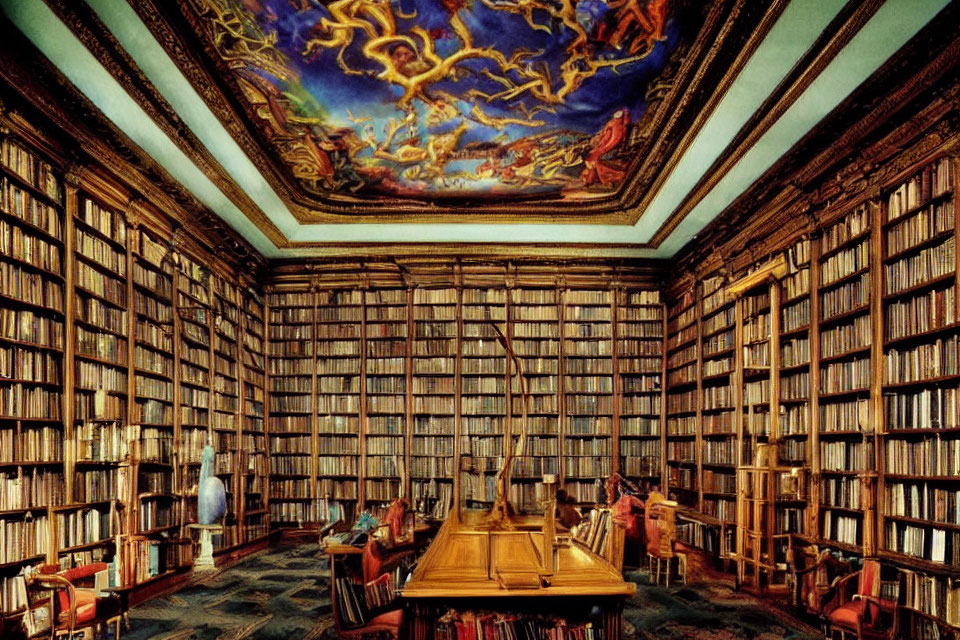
x: 282, y: 594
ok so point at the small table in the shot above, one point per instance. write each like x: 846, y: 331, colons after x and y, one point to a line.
x: 123, y: 594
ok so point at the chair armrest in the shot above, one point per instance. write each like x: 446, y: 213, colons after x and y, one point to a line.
x: 56, y: 582
x: 85, y: 571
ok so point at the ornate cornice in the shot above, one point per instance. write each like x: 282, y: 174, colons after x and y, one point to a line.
x: 857, y: 150
x: 87, y: 138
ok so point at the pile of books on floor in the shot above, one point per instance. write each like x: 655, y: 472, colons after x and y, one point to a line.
x: 476, y: 625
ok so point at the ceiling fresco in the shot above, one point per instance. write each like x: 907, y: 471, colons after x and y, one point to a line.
x: 447, y: 99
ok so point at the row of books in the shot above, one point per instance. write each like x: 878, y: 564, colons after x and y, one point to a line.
x: 854, y: 294
x: 919, y: 314
x: 795, y: 316
x: 30, y: 248
x: 80, y: 527
x: 933, y: 180
x: 794, y: 351
x: 934, y: 359
x: 928, y: 543
x: 851, y: 226
x: 922, y: 501
x: 845, y: 263
x: 930, y: 456
x: 30, y: 168
x: 31, y: 489
x: 936, y: 408
x: 37, y: 444
x: 928, y: 264
x: 30, y: 287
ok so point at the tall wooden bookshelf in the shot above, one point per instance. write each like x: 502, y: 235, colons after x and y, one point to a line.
x: 483, y: 394
x: 684, y: 408
x: 387, y: 327
x: 433, y: 391
x: 640, y: 363
x: 254, y: 475
x: 719, y: 435
x: 34, y: 346
x: 918, y: 528
x: 292, y: 423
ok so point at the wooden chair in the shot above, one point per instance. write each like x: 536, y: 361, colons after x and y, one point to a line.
x: 73, y: 607
x: 857, y: 608
x: 660, y: 526
x: 815, y: 575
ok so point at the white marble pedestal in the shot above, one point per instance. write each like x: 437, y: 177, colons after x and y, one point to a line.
x: 204, y: 561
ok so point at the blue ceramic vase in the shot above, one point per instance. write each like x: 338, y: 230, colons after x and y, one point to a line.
x: 211, y: 494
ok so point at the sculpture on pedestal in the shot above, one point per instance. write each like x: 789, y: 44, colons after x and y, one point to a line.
x: 211, y: 494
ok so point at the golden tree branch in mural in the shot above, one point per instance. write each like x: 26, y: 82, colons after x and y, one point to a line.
x: 415, y: 68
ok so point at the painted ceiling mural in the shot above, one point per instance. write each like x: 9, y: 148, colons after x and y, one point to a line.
x: 447, y: 98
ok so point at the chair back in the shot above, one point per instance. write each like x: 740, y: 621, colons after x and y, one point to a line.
x: 651, y: 526
x: 372, y: 560
x: 869, y: 581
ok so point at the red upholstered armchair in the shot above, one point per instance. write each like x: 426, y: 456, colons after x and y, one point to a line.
x: 380, y: 622
x: 74, y: 607
x: 857, y: 608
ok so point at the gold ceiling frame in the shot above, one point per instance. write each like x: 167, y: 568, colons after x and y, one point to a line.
x: 604, y: 210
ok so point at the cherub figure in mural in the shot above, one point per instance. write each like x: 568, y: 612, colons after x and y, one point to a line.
x: 638, y: 27
x: 605, y: 141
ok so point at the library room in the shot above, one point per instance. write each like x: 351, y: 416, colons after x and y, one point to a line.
x: 479, y: 320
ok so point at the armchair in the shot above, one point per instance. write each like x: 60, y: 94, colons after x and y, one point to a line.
x: 815, y: 574
x: 858, y: 609
x: 380, y: 623
x: 73, y: 607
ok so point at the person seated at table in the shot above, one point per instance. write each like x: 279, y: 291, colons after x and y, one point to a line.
x: 567, y: 513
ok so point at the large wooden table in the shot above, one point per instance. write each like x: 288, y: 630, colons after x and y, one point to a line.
x: 473, y: 566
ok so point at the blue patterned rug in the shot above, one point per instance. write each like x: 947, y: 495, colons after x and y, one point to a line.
x: 282, y: 594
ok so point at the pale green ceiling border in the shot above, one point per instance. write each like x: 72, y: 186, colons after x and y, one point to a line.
x: 890, y: 28
x: 64, y: 50
x: 790, y: 38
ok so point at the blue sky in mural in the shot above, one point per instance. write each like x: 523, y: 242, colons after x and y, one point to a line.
x: 470, y: 97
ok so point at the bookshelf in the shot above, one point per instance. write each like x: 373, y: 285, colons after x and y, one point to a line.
x: 254, y: 475
x: 339, y: 379
x: 225, y: 405
x: 587, y: 367
x: 640, y: 366
x: 917, y: 528
x: 434, y: 395
x: 292, y: 375
x: 718, y: 437
x: 683, y: 410
x: 33, y: 355
x: 387, y: 325
x: 845, y: 423
x: 483, y: 394
x: 536, y: 334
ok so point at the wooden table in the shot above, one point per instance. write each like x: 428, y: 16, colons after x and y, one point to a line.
x: 471, y: 567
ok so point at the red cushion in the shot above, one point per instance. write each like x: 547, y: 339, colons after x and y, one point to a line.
x: 848, y: 615
x: 86, y: 606
x: 388, y: 619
